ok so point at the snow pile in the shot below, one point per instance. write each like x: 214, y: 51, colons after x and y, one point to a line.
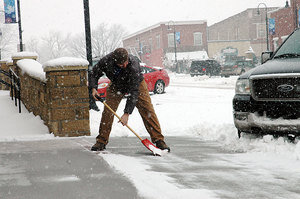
x: 15, y: 126
x: 6, y: 60
x: 157, y: 151
x: 264, y: 120
x: 203, y: 81
x: 65, y: 61
x: 268, y: 145
x: 32, y: 68
x: 25, y: 54
x: 9, y: 61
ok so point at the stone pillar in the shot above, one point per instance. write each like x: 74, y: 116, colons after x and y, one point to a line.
x: 4, y: 67
x: 68, y: 98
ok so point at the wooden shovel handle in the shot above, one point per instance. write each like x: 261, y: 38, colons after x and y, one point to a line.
x: 120, y: 119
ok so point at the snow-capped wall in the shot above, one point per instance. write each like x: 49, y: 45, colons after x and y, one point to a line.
x: 65, y: 63
x: 56, y: 91
x: 32, y: 68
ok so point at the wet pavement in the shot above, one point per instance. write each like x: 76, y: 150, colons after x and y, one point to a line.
x: 65, y: 168
x: 58, y: 169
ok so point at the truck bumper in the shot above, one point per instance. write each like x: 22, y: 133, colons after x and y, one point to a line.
x: 265, y: 117
x: 252, y: 123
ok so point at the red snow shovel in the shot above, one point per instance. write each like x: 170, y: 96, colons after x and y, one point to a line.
x: 146, y: 142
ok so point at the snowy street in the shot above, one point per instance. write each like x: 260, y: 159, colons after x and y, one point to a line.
x: 207, y: 160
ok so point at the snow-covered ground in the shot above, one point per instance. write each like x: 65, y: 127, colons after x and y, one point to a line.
x: 200, y: 107
x: 195, y: 107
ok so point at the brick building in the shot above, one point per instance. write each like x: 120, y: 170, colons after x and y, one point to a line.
x: 153, y: 43
x: 240, y: 32
x: 286, y: 21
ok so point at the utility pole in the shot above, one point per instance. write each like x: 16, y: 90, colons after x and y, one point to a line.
x: 88, y: 33
x: 267, y: 28
x: 175, y: 50
x: 20, y: 25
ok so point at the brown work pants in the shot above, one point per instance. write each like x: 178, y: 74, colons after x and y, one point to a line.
x: 144, y: 106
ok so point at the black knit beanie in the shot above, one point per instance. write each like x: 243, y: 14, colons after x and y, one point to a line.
x: 120, y: 55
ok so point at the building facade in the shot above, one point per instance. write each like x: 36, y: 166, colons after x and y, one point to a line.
x: 241, y: 32
x: 152, y: 44
x: 286, y: 20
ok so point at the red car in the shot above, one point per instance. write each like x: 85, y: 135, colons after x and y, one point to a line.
x: 156, y: 78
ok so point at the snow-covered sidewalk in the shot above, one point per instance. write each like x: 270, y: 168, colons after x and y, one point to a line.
x: 198, y: 112
x: 15, y: 126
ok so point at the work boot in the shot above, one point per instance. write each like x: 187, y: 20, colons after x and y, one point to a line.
x: 94, y: 107
x: 162, y: 145
x: 98, y: 147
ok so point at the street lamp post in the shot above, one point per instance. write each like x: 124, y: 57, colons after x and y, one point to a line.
x: 88, y: 42
x: 20, y: 26
x: 140, y: 49
x: 267, y: 31
x: 175, y: 53
x: 0, y: 48
x: 1, y: 36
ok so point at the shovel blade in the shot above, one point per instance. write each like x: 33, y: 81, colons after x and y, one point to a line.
x: 152, y: 147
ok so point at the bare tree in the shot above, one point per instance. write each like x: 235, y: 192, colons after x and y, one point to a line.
x: 104, y: 40
x: 76, y: 46
x: 54, y: 45
x: 100, y: 40
x: 32, y: 45
x: 116, y: 33
x: 8, y: 39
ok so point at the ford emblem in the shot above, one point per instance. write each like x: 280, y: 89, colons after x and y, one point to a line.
x: 285, y: 88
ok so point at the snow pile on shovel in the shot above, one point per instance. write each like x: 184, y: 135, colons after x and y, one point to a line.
x: 157, y: 151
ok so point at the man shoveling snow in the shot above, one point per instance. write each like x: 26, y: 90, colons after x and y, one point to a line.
x: 126, y: 77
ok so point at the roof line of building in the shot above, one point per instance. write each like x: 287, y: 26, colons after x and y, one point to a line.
x: 163, y: 23
x: 273, y: 8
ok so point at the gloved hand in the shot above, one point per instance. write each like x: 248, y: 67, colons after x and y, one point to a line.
x: 124, y: 119
x: 96, y: 95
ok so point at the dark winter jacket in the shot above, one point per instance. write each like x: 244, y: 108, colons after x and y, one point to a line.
x: 125, y: 80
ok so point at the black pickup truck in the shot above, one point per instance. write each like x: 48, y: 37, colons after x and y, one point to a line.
x: 267, y: 97
x: 208, y: 67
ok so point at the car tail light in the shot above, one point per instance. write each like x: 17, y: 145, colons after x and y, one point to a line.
x: 235, y: 66
x: 102, y: 85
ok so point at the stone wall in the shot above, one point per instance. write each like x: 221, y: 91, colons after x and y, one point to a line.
x: 5, y: 66
x: 61, y: 100
x: 34, y: 95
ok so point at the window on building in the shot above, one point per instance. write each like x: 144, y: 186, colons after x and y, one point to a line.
x: 237, y: 33
x: 197, y: 39
x: 143, y: 47
x: 157, y: 41
x: 261, y: 30
x: 171, y: 40
x: 150, y: 44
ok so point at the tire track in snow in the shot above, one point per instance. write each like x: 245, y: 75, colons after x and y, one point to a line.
x: 149, y: 183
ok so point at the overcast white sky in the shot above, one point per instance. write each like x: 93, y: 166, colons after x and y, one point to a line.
x: 41, y: 16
